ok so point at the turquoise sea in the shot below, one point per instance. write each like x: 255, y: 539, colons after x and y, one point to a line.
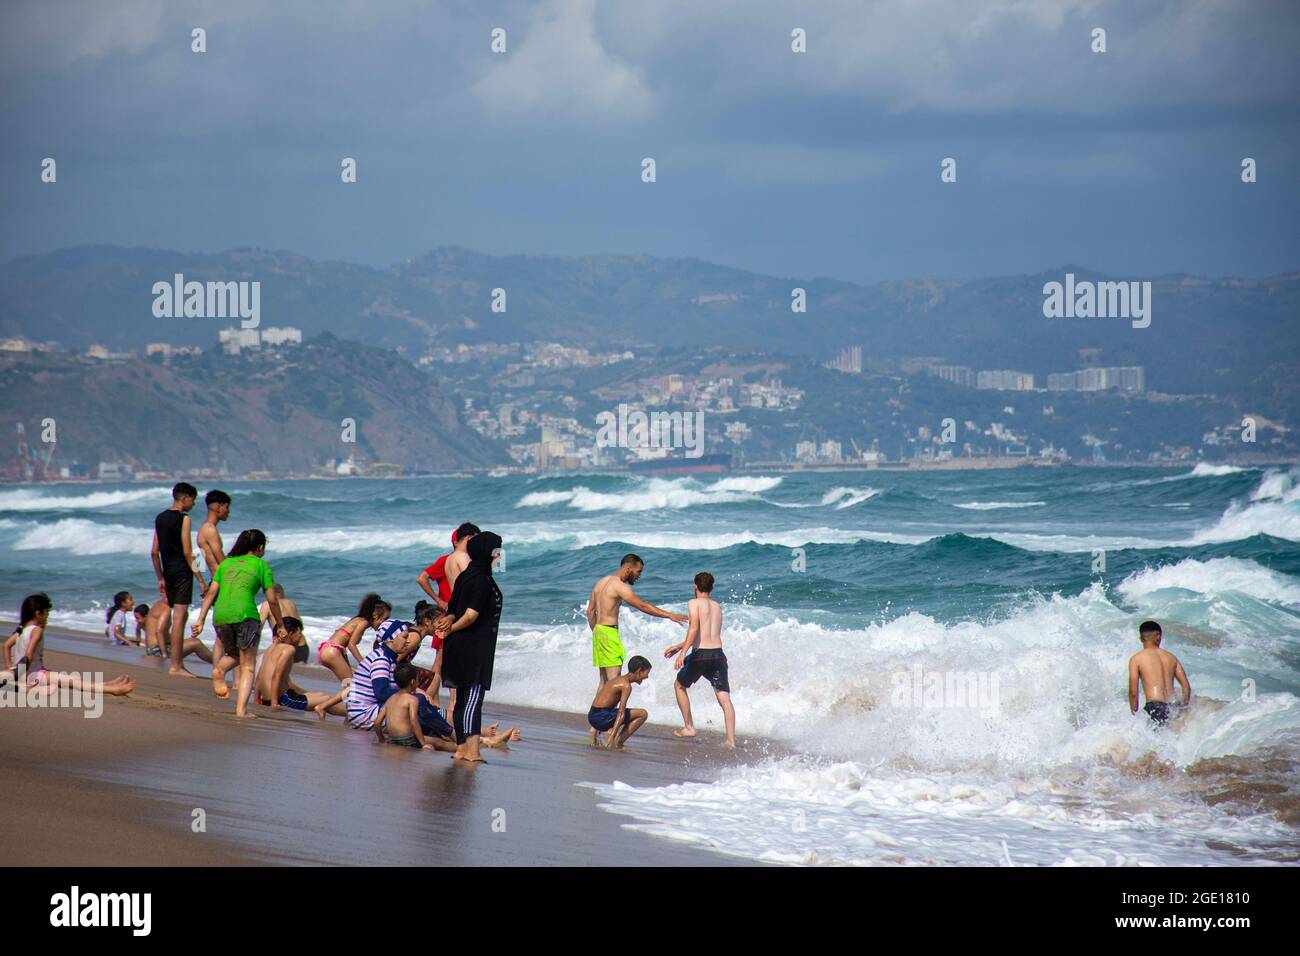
x: 939, y: 658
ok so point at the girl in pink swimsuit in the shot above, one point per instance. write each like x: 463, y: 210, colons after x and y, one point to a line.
x: 347, y: 638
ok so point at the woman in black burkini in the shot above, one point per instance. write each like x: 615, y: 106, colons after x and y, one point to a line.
x: 474, y: 614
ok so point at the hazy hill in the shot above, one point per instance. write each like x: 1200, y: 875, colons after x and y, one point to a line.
x: 268, y: 411
x: 1227, y: 336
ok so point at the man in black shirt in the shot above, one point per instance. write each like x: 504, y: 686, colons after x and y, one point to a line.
x: 470, y: 636
x: 174, y: 564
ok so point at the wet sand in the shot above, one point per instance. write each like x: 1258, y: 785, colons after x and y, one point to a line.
x: 124, y: 788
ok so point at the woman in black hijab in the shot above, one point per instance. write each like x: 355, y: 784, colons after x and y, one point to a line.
x: 471, y: 640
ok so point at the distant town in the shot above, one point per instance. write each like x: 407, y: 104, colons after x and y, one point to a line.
x: 541, y: 401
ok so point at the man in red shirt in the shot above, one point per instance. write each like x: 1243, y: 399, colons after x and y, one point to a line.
x: 437, y: 574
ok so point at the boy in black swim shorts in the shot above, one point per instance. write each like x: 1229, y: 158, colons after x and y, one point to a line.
x: 275, y: 687
x: 700, y: 655
x: 1155, y: 671
x: 609, y: 710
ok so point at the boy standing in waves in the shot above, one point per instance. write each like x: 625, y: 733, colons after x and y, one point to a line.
x: 1155, y: 670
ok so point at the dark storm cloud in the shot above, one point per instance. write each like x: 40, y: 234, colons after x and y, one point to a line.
x: 822, y: 163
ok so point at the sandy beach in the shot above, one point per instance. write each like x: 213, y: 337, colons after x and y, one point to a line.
x: 124, y: 788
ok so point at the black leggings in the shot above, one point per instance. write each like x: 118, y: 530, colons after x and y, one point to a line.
x: 468, y: 715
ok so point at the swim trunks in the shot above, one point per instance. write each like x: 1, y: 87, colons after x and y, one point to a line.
x: 607, y: 647
x: 602, y: 718
x: 406, y: 740
x: 290, y: 699
x: 241, y: 636
x: 1157, y: 710
x: 180, y: 587
x: 431, y: 720
x: 293, y: 700
x: 709, y: 663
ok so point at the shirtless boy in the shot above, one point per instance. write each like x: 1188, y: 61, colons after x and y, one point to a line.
x: 158, y: 641
x: 399, y: 718
x: 275, y: 688
x: 1155, y: 670
x: 700, y: 655
x: 607, y: 598
x: 212, y: 548
x: 609, y: 710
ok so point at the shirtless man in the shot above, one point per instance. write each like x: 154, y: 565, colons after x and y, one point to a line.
x: 212, y: 548
x: 158, y: 641
x: 606, y: 600
x: 1155, y: 670
x: 458, y: 560
x: 705, y: 659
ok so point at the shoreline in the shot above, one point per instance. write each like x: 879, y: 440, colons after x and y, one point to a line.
x: 126, y: 788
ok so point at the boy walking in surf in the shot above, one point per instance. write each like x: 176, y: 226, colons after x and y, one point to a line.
x: 1155, y: 670
x: 700, y: 655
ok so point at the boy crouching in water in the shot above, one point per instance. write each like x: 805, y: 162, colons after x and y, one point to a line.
x: 1155, y: 670
x: 609, y: 711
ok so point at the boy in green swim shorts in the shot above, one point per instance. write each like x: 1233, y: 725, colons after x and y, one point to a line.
x: 607, y: 599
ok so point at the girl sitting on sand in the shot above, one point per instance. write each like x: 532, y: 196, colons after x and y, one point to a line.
x: 118, y: 615
x: 346, y: 639
x: 29, y: 654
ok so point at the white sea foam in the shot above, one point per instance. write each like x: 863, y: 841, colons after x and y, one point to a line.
x: 25, y: 499
x: 1206, y: 470
x: 82, y: 536
x: 655, y: 494
x: 998, y: 505
x: 1214, y: 578
x: 1273, y: 509
x: 843, y: 497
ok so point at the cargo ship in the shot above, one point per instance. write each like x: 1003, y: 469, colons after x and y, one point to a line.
x: 704, y: 465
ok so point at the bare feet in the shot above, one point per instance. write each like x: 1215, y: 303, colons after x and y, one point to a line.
x: 179, y: 672
x: 595, y: 738
x: 320, y: 711
x: 220, y: 689
x: 729, y: 744
x: 499, y: 741
x: 468, y: 759
x: 684, y: 732
x: 246, y: 716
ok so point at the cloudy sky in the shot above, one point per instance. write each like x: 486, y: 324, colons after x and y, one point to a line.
x: 817, y: 164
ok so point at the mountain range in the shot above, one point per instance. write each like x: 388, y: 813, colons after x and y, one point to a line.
x: 1226, y: 336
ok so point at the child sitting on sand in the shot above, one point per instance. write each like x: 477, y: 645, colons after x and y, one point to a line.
x: 29, y: 655
x: 141, y: 614
x: 118, y: 616
x: 609, y: 710
x: 399, y: 718
x: 1155, y: 670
